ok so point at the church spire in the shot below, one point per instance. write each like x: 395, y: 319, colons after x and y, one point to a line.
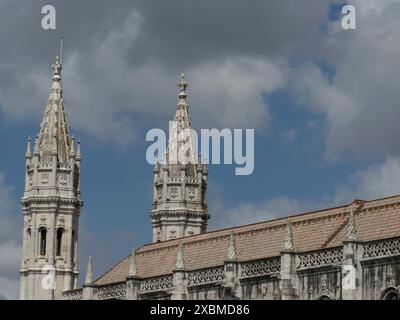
x: 53, y: 136
x: 52, y: 186
x: 181, y: 144
x: 180, y: 182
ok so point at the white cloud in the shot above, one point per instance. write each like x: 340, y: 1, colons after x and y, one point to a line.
x: 230, y: 93
x: 251, y: 212
x: 376, y: 181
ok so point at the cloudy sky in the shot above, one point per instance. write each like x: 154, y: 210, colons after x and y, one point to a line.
x: 324, y: 103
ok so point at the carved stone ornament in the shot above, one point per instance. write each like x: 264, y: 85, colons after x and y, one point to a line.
x: 63, y: 179
x: 61, y: 221
x: 191, y: 192
x: 173, y: 192
x: 44, y: 178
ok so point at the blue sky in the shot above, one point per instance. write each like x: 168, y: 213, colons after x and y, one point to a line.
x: 323, y: 102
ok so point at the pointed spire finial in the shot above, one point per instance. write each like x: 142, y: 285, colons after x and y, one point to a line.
x: 231, y: 253
x: 182, y: 84
x: 132, y: 265
x: 288, y: 240
x: 89, y: 272
x: 28, y: 154
x: 351, y: 225
x: 36, y: 147
x: 72, y: 151
x: 78, y: 151
x: 57, y: 67
x: 180, y: 263
x: 156, y: 168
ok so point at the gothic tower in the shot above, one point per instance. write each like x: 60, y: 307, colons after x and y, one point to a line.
x: 180, y: 181
x: 51, y: 204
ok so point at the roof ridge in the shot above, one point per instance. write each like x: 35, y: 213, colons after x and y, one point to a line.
x: 219, y: 233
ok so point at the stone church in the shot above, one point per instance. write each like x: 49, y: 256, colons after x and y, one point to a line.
x: 348, y: 252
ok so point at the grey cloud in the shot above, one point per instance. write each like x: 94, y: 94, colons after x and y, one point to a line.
x: 361, y: 102
x: 123, y: 57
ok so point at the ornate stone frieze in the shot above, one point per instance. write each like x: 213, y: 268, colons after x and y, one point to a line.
x: 320, y: 258
x: 381, y: 248
x: 260, y: 268
x: 156, y: 284
x: 72, y: 294
x: 115, y: 291
x: 206, y: 276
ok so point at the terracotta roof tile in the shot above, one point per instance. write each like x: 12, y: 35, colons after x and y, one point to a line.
x: 378, y: 219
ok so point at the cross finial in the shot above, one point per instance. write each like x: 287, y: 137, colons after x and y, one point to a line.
x: 57, y: 69
x: 182, y: 84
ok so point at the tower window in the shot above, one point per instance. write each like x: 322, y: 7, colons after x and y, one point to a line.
x: 60, y: 232
x: 43, y: 235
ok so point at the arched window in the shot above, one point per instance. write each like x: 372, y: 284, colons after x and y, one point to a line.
x: 60, y: 232
x: 43, y: 235
x: 324, y: 297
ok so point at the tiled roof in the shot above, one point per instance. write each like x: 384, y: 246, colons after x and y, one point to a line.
x: 377, y: 219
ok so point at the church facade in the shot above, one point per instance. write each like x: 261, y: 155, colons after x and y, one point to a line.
x: 350, y: 252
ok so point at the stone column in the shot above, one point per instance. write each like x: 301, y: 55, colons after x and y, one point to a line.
x: 133, y: 281
x: 179, y: 283
x: 351, y: 268
x: 68, y: 257
x: 179, y: 280
x: 165, y: 186
x: 288, y: 276
x: 288, y: 279
x: 231, y: 284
